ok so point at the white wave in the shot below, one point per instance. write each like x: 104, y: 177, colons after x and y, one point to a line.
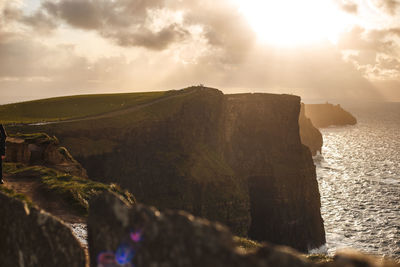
x: 321, y: 250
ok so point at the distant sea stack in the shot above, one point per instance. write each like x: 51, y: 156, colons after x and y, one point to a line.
x: 236, y: 159
x: 325, y: 115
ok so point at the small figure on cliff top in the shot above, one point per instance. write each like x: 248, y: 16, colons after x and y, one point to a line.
x: 3, y: 137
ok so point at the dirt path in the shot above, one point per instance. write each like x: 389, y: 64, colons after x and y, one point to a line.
x: 31, y: 187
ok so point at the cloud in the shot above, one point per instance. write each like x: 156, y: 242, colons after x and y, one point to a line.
x: 186, y: 42
x: 347, y: 6
x: 154, y: 24
x: 40, y: 21
x: 369, y: 46
x: 23, y: 58
x: 128, y: 23
x: 359, y: 38
x: 152, y: 40
x: 389, y: 6
x: 80, y: 14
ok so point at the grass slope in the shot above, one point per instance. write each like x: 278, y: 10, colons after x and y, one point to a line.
x: 71, y: 107
x: 76, y: 191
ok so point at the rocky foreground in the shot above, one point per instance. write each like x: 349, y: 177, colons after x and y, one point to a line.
x: 124, y: 235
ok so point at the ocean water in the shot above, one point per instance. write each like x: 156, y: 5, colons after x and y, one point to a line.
x: 359, y: 181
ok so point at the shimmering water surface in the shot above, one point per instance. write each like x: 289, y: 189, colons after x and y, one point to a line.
x: 359, y: 180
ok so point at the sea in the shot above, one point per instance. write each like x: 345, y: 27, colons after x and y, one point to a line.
x: 359, y: 181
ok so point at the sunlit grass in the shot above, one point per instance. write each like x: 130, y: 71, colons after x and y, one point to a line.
x: 76, y: 191
x: 70, y: 107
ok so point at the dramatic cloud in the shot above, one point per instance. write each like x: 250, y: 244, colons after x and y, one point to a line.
x: 374, y: 52
x: 166, y: 44
x: 154, y: 24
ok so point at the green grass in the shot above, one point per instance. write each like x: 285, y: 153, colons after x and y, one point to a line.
x: 76, y: 191
x: 247, y: 244
x: 11, y: 193
x: 69, y: 107
x: 37, y: 138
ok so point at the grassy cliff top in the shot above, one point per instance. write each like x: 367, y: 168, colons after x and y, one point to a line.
x: 71, y: 107
x: 73, y: 190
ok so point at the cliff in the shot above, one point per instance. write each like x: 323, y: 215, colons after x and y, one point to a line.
x: 264, y: 147
x: 325, y: 115
x: 236, y: 159
x: 310, y: 136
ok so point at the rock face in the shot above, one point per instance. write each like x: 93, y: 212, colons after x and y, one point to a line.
x: 30, y: 237
x: 325, y: 115
x: 124, y: 235
x: 235, y: 159
x: 41, y: 149
x: 143, y: 236
x: 310, y: 136
x: 263, y: 146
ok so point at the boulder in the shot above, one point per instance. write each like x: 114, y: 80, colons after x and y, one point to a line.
x: 32, y: 237
x: 41, y: 149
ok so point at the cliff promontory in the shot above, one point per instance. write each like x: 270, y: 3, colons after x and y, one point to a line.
x: 236, y: 159
x: 325, y: 115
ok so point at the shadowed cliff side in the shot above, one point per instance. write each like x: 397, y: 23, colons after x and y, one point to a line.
x: 263, y: 146
x: 325, y: 115
x: 310, y: 136
x: 235, y: 159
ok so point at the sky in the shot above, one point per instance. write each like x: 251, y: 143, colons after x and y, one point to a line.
x: 318, y: 49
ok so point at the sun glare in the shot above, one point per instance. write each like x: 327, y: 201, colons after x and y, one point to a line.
x: 294, y: 22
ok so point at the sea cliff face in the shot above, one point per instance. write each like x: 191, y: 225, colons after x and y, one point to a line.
x: 236, y: 159
x: 264, y: 148
x: 310, y: 136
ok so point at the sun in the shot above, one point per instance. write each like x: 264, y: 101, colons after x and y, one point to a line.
x: 294, y: 22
